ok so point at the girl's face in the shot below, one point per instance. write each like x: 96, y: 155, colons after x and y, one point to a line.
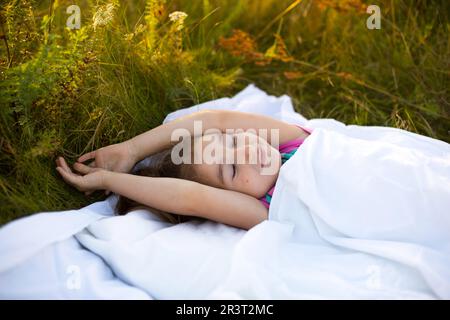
x: 242, y: 162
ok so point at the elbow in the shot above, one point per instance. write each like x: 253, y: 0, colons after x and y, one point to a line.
x: 259, y: 219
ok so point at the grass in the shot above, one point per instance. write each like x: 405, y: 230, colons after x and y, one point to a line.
x: 66, y: 92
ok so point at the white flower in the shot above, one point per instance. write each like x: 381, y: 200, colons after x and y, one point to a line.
x: 178, y: 16
x: 103, y: 15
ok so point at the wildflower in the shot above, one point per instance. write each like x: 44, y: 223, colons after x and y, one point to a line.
x: 177, y: 17
x: 104, y: 15
x: 342, y: 5
x: 95, y: 114
x: 155, y: 10
x: 291, y: 75
x: 139, y: 29
x: 128, y: 36
x: 241, y: 44
x: 344, y: 75
x: 278, y: 50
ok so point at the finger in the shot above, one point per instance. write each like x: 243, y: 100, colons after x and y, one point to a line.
x: 92, y: 164
x: 64, y: 165
x: 87, y: 156
x: 82, y: 168
x: 58, y: 161
x: 70, y: 178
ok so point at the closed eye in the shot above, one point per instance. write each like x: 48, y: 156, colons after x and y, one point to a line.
x: 234, y: 145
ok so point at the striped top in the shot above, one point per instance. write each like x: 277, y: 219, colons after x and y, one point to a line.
x: 287, y: 150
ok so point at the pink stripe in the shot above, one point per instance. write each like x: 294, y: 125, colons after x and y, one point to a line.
x: 295, y: 143
x: 263, y: 199
x: 309, y: 130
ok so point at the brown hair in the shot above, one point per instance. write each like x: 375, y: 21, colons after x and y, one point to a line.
x: 161, y: 166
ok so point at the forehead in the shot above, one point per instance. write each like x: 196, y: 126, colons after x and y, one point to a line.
x: 208, y: 172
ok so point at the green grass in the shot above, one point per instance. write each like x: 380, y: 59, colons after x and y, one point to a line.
x: 67, y: 92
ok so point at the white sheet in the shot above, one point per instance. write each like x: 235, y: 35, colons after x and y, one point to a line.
x: 305, y: 250
x: 364, y: 215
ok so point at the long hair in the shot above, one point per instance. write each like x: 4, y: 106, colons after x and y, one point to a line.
x: 161, y: 166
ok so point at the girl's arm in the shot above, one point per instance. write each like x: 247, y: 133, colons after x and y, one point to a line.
x: 186, y: 197
x: 172, y: 195
x: 159, y: 138
x: 122, y: 157
x: 244, y: 120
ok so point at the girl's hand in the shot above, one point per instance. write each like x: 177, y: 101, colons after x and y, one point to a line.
x: 120, y: 157
x: 91, y: 180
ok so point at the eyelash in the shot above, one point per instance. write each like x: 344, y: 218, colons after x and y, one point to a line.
x: 234, y: 167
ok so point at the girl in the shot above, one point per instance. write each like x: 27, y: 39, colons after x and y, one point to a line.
x: 233, y: 192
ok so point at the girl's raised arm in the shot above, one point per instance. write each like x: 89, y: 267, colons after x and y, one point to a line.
x: 159, y: 138
x: 244, y: 120
x: 123, y: 156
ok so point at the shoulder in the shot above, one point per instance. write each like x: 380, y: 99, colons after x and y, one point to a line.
x: 294, y: 134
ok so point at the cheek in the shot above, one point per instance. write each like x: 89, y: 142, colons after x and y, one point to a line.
x: 257, y: 184
x: 274, y: 154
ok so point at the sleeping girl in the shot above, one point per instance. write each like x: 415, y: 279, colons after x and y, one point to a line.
x: 225, y: 172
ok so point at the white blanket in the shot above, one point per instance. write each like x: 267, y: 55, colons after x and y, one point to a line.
x: 358, y: 212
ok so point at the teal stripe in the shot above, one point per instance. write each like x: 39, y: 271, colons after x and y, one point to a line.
x: 284, y: 157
